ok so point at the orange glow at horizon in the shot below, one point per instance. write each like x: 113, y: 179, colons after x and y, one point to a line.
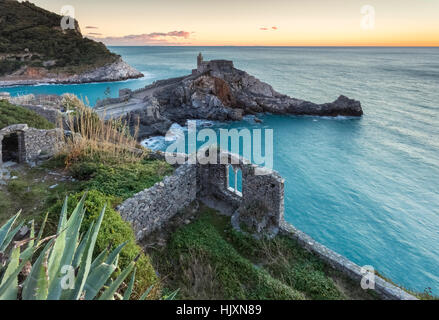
x: 256, y: 22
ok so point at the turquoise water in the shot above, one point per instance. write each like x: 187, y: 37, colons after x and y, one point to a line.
x: 367, y: 188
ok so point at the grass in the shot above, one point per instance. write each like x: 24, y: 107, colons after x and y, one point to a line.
x: 11, y: 114
x: 31, y: 192
x: 207, y: 259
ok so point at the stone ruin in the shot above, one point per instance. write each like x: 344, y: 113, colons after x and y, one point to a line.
x: 255, y: 205
x: 19, y: 143
x: 258, y: 203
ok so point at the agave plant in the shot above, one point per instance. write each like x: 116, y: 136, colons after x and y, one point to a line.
x: 64, y: 268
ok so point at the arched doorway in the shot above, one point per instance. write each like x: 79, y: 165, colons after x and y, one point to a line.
x: 11, y: 147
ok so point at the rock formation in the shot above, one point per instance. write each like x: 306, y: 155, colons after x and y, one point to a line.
x: 214, y: 91
x: 34, y: 49
x: 116, y: 71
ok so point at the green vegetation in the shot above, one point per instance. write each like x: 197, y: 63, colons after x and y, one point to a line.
x: 11, y: 114
x: 33, y: 188
x: 120, y: 180
x: 89, y: 278
x: 115, y: 231
x: 101, y: 162
x: 37, y: 189
x: 207, y: 259
x: 34, y: 35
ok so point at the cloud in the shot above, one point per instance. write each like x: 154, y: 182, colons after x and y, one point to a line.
x: 91, y: 27
x: 166, y: 38
x: 94, y: 34
x: 266, y: 29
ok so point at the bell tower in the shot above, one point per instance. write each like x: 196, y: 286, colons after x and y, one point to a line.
x: 199, y: 60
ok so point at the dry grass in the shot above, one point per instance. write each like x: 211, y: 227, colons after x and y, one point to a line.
x: 200, y: 276
x: 92, y: 137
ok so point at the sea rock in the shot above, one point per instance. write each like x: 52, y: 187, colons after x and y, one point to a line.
x: 216, y: 91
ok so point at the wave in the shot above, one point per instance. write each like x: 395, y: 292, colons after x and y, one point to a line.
x: 154, y: 143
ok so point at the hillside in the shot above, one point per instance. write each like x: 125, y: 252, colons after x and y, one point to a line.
x: 34, y: 48
x: 12, y: 114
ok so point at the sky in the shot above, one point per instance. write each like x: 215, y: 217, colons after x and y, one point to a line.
x: 256, y: 22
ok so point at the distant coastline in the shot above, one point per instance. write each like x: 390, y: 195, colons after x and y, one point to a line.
x: 116, y: 71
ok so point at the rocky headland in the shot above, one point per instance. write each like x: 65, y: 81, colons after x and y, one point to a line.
x: 35, y: 49
x: 116, y: 71
x: 216, y: 90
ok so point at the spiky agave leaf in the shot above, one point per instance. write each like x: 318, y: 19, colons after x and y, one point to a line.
x: 36, y: 285
x: 11, y: 291
x: 8, y: 281
x: 11, y: 234
x: 100, y: 274
x: 5, y: 229
x: 146, y: 293
x: 65, y: 246
x: 84, y: 267
x: 129, y: 289
x: 108, y: 294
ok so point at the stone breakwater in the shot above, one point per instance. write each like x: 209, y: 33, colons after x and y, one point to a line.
x: 216, y: 90
x: 116, y: 71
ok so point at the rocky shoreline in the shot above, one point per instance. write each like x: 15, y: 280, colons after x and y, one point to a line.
x: 216, y: 91
x: 116, y: 71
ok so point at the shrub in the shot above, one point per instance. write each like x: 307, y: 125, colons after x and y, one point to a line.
x: 44, y: 277
x: 122, y: 180
x: 115, y: 231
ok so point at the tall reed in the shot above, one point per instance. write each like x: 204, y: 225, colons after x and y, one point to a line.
x: 106, y: 140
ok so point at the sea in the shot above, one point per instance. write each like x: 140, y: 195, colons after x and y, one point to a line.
x: 367, y: 188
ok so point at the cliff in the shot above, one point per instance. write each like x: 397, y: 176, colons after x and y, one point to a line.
x: 216, y: 90
x: 34, y: 49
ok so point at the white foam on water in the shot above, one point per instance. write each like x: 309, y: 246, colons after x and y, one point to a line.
x: 175, y: 132
x: 154, y: 143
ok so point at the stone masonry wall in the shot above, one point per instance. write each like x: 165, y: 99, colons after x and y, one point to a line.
x: 33, y: 143
x: 149, y: 209
x: 384, y: 289
x: 42, y: 143
x: 260, y: 204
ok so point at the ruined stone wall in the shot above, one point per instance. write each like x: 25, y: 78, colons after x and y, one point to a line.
x: 18, y: 129
x: 260, y: 203
x: 149, y: 209
x: 383, y: 288
x: 42, y: 143
x: 33, y: 144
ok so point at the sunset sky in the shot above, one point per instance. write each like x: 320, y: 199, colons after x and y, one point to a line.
x: 255, y: 22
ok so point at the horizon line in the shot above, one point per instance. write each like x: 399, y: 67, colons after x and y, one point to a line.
x: 292, y: 46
